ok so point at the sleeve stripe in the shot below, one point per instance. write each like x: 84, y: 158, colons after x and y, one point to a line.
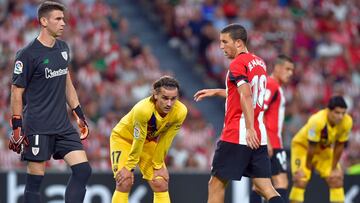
x: 239, y: 79
x: 241, y: 82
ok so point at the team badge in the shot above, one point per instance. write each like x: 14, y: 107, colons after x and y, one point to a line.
x: 18, y: 69
x: 35, y: 150
x: 64, y: 55
x: 312, y: 132
x: 168, y: 125
x: 177, y: 126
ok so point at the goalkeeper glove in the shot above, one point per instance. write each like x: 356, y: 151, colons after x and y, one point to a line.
x: 82, y: 124
x: 17, y: 138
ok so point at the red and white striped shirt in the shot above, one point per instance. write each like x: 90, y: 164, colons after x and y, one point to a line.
x: 274, y: 112
x: 245, y: 68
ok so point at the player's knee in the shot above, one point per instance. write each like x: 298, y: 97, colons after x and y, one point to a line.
x: 257, y: 190
x: 335, y: 182
x: 36, y: 168
x: 82, y: 171
x: 300, y: 183
x: 159, y: 185
x: 125, y: 186
x: 281, y: 181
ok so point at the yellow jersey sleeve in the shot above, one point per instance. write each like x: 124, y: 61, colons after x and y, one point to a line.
x: 346, y: 128
x: 166, y: 139
x: 140, y: 118
x: 315, y: 125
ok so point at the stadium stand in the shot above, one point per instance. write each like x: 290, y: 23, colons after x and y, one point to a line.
x: 110, y: 76
x: 323, y: 37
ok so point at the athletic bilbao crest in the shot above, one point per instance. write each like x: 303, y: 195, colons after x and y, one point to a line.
x: 35, y: 150
x: 64, y: 55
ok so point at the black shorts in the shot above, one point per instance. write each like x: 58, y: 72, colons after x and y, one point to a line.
x: 232, y: 161
x: 278, y: 162
x: 41, y: 147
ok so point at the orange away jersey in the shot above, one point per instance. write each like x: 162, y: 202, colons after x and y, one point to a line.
x: 143, y: 124
x: 245, y: 68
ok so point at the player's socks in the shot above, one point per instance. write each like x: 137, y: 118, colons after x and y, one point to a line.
x: 255, y: 197
x: 337, y: 194
x: 283, y: 193
x: 75, y: 190
x: 120, y: 197
x: 297, y: 194
x: 161, y: 197
x: 32, y: 188
x: 276, y: 199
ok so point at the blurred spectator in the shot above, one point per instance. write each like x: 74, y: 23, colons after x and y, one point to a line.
x: 109, y: 76
x: 322, y: 37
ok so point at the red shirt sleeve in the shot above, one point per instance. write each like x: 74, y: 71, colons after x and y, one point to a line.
x: 238, y: 73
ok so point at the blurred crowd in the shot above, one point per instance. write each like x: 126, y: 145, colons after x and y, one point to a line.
x: 111, y: 69
x: 322, y: 36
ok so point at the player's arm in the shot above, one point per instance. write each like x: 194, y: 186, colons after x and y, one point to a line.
x: 338, y: 150
x: 270, y: 96
x: 165, y: 141
x: 71, y: 96
x: 16, y: 101
x: 310, y: 154
x: 342, y: 139
x: 22, y: 74
x: 313, y: 137
x: 248, y: 111
x: 17, y: 137
x: 73, y: 102
x: 201, y: 94
x: 140, y: 131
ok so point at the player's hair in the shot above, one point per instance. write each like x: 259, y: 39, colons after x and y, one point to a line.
x: 48, y: 6
x: 282, y: 58
x: 337, y: 101
x: 236, y: 32
x: 166, y: 82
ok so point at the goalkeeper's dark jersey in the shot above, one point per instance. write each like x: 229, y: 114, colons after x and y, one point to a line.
x: 42, y: 71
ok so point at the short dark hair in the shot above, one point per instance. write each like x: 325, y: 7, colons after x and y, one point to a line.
x: 48, y: 6
x: 236, y: 32
x: 337, y: 101
x: 282, y: 58
x: 166, y: 82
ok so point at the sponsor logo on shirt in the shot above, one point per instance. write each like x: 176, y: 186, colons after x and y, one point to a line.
x: 55, y: 73
x: 18, y: 69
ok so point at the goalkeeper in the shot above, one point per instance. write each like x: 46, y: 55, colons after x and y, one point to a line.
x: 41, y: 88
x: 143, y: 137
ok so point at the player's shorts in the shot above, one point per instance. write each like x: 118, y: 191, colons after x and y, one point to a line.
x: 41, y: 147
x: 321, y: 161
x: 119, y: 154
x: 278, y: 162
x: 232, y: 161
